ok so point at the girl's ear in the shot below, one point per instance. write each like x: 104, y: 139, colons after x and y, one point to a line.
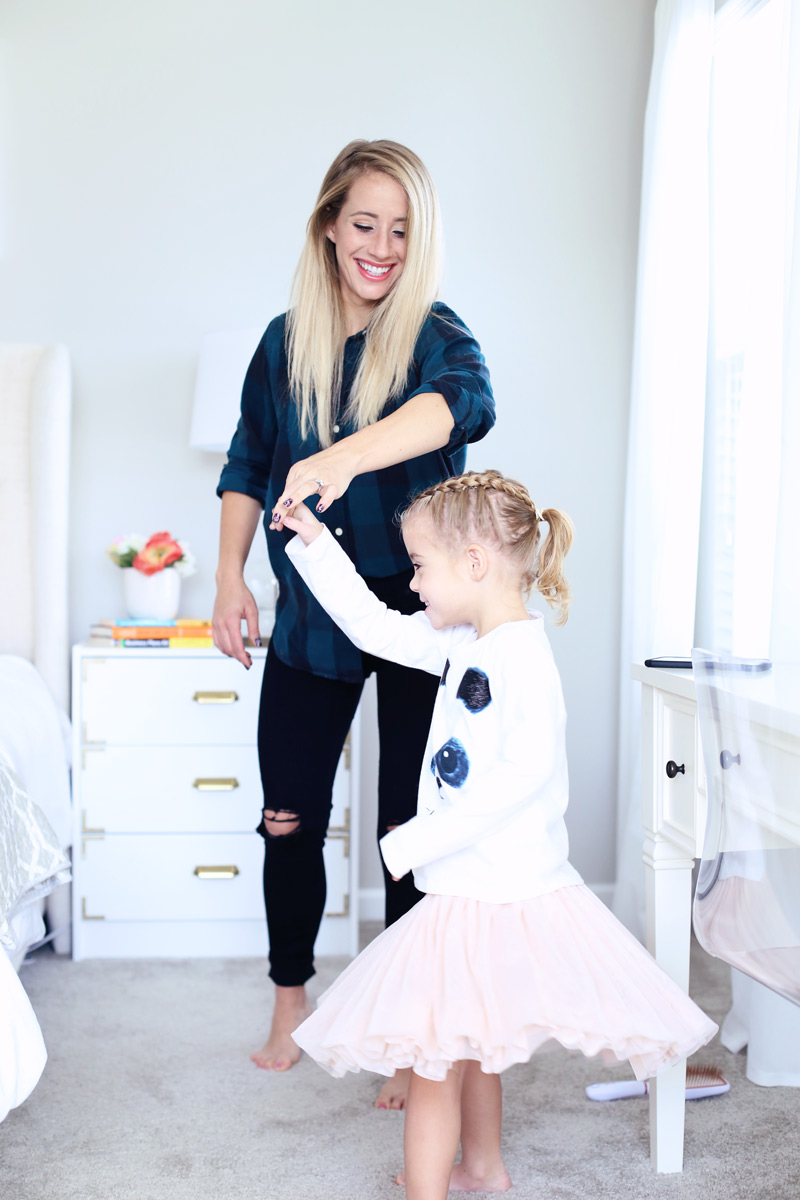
x: 330, y: 234
x: 477, y: 560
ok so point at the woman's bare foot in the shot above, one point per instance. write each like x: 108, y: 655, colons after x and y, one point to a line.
x: 279, y: 1052
x: 462, y: 1181
x: 394, y: 1092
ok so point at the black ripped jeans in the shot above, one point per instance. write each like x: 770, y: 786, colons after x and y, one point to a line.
x: 303, y: 722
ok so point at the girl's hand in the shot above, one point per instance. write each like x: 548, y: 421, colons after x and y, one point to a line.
x: 326, y: 475
x: 235, y: 601
x: 304, y: 523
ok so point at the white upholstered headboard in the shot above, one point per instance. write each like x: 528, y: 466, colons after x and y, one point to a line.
x: 35, y: 406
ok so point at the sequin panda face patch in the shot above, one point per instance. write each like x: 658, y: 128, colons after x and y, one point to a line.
x: 450, y: 764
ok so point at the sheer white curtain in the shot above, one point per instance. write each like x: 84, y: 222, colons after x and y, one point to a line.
x: 665, y: 448
x: 716, y: 355
x: 747, y: 587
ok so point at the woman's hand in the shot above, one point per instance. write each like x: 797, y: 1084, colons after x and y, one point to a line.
x: 304, y: 523
x: 327, y: 475
x: 235, y: 601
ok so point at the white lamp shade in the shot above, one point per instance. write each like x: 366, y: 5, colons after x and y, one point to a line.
x: 224, y: 359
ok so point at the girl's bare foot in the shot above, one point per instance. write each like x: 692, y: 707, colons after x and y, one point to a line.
x: 461, y: 1181
x: 279, y: 1052
x: 394, y: 1092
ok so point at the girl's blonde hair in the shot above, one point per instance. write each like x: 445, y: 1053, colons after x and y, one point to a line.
x: 486, y: 506
x: 316, y: 327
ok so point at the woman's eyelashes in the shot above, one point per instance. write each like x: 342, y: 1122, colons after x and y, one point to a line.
x: 400, y: 233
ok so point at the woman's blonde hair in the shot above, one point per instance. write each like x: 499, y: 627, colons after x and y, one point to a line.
x: 316, y: 327
x: 484, y: 505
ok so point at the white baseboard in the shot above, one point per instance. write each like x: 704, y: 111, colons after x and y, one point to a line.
x: 370, y: 900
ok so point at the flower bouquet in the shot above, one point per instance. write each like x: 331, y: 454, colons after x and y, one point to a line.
x: 159, y: 551
x: 152, y: 572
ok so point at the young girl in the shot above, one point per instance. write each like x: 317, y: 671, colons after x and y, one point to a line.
x: 508, y: 948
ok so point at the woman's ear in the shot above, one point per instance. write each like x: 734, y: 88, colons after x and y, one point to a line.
x: 330, y: 234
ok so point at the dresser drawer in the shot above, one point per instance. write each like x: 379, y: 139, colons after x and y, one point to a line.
x: 166, y: 789
x: 675, y: 757
x: 187, y: 877
x: 182, y: 789
x: 182, y: 701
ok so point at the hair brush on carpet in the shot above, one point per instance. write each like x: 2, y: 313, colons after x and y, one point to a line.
x: 700, y: 1082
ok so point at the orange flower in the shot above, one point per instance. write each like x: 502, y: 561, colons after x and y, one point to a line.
x: 160, y: 551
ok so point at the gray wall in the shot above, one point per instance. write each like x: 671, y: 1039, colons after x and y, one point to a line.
x: 158, y: 164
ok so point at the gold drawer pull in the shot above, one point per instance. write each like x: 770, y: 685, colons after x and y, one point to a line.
x: 215, y: 785
x: 215, y: 697
x: 216, y: 872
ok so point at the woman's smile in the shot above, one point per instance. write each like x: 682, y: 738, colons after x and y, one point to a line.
x: 369, y: 235
x: 372, y: 270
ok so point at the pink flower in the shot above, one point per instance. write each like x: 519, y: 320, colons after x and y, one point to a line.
x: 160, y: 551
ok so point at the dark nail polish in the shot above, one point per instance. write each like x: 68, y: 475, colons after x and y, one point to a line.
x: 288, y: 503
x: 276, y: 516
x: 320, y: 508
x: 258, y: 641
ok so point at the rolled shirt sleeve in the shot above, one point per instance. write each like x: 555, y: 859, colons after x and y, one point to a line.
x: 450, y: 362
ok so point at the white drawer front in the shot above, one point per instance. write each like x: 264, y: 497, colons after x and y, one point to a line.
x: 139, y: 877
x: 677, y: 773
x: 181, y: 789
x: 166, y: 789
x: 181, y: 701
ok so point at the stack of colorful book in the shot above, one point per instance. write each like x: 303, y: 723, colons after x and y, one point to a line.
x: 184, y: 633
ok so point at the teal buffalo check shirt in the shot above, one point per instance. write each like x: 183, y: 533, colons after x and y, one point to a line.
x: 267, y: 441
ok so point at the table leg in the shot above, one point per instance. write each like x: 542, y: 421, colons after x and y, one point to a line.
x: 669, y: 914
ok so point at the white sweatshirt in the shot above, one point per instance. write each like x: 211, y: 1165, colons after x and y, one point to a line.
x: 493, y: 787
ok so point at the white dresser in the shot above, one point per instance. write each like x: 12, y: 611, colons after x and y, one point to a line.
x: 166, y: 797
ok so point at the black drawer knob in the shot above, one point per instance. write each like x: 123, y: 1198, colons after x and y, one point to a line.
x: 673, y: 769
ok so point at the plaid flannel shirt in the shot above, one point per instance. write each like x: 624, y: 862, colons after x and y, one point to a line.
x: 267, y: 441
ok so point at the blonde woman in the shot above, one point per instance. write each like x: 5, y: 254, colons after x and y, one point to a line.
x: 367, y: 391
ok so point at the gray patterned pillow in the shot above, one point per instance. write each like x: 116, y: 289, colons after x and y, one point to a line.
x: 32, y: 862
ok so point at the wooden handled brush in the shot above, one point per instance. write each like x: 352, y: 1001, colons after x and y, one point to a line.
x: 700, y: 1082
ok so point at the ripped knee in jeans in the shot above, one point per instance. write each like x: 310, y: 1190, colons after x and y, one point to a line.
x: 280, y: 822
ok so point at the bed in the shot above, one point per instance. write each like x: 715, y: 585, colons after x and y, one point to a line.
x: 35, y: 817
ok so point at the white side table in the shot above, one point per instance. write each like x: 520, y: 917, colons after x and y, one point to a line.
x: 674, y: 817
x: 166, y: 797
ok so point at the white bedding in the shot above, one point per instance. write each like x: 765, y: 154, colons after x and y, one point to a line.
x: 32, y: 864
x: 35, y: 822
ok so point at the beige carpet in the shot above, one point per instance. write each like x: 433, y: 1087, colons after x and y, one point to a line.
x: 149, y: 1095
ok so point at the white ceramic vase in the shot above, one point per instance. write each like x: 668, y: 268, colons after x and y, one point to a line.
x: 152, y: 597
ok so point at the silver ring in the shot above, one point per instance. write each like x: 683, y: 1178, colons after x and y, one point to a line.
x: 320, y: 485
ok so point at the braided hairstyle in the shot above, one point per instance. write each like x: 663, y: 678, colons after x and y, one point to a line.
x: 484, y: 505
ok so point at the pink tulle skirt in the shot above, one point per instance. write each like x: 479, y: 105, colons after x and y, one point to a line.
x: 463, y: 979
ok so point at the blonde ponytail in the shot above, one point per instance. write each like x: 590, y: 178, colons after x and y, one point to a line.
x: 549, y: 577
